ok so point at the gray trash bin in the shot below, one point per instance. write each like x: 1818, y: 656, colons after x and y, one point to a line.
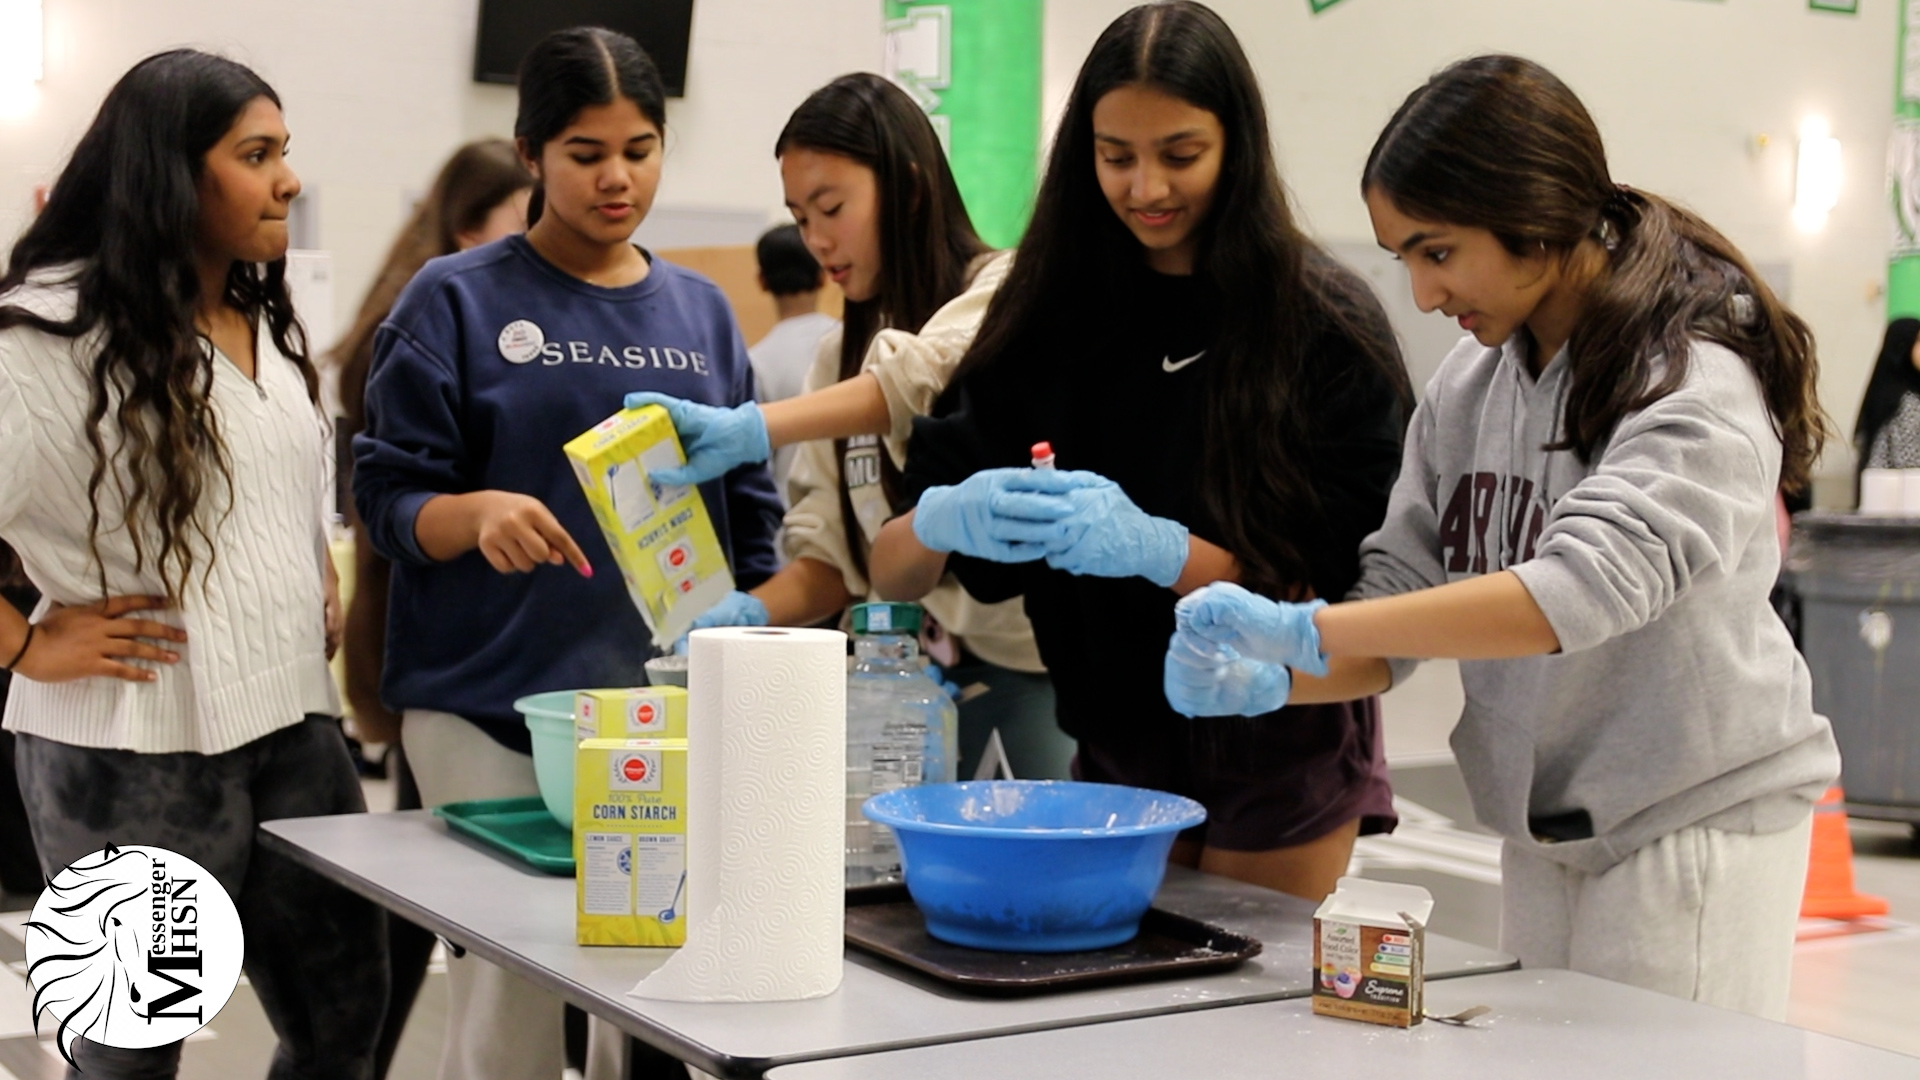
x: 1858, y: 583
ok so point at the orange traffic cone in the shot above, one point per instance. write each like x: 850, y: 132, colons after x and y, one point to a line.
x: 1830, y: 892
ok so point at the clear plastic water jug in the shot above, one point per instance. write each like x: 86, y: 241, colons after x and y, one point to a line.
x: 902, y: 730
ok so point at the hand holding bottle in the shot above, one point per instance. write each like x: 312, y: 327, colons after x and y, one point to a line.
x: 1107, y: 535
x: 1004, y: 515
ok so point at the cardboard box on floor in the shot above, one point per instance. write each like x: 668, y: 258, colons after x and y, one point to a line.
x: 1369, y: 952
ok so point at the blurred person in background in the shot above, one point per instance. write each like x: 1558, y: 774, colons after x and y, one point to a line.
x: 479, y: 196
x: 789, y: 272
x: 1887, y: 434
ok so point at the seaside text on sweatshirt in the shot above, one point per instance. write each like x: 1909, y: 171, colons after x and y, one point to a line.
x: 491, y: 360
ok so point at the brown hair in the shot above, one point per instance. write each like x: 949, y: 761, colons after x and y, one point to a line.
x: 1278, y: 291
x: 477, y: 178
x: 1499, y: 143
x: 119, y: 229
x: 927, y: 240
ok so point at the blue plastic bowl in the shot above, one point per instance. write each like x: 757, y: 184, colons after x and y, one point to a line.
x: 1033, y: 865
x: 550, y: 721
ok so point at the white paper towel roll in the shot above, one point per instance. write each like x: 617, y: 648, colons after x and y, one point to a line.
x: 766, y: 818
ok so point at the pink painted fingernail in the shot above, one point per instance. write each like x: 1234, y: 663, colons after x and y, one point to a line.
x: 586, y: 570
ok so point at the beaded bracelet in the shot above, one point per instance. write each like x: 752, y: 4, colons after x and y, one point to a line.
x: 31, y: 627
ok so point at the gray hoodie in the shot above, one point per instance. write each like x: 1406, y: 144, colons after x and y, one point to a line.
x: 1677, y: 698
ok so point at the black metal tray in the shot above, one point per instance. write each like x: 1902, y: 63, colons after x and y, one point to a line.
x: 882, y: 920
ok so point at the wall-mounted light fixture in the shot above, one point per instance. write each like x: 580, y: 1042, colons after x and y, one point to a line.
x: 1816, y: 182
x: 22, y: 55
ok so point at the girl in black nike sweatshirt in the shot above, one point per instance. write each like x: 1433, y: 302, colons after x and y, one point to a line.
x: 1225, y: 402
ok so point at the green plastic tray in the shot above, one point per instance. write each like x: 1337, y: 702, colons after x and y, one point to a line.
x: 520, y: 827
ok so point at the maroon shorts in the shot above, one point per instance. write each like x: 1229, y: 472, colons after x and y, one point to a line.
x: 1267, y: 782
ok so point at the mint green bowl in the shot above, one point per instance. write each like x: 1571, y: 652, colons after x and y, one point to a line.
x: 550, y: 721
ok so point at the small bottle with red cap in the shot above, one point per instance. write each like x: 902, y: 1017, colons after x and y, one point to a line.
x: 1042, y: 455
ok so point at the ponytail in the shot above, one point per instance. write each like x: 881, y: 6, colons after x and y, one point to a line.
x: 1672, y: 278
x: 1499, y: 143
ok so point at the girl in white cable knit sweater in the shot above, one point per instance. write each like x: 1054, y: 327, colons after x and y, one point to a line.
x: 164, y: 487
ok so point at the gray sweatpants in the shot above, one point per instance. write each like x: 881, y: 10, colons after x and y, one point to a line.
x: 499, y: 1025
x: 316, y: 953
x: 1701, y: 914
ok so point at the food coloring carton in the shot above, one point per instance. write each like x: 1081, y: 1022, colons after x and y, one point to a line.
x: 661, y: 537
x: 640, y: 712
x: 630, y: 842
x: 1369, y: 952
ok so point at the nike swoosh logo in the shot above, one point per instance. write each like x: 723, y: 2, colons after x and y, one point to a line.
x: 1169, y: 364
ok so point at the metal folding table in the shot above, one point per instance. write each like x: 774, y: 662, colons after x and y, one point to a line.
x: 522, y: 920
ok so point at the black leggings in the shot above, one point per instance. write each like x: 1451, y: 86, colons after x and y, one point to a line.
x: 316, y: 953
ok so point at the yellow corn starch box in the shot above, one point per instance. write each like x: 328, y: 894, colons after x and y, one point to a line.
x: 630, y: 842
x: 662, y: 538
x: 640, y: 712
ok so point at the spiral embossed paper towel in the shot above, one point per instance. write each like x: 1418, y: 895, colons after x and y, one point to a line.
x: 766, y: 818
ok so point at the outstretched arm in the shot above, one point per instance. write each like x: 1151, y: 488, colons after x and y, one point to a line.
x: 1492, y: 617
x: 847, y: 408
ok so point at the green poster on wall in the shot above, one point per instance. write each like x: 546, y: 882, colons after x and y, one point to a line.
x: 974, y: 66
x: 1903, y: 170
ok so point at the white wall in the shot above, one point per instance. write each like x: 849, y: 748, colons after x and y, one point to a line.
x: 1678, y: 87
x: 377, y: 94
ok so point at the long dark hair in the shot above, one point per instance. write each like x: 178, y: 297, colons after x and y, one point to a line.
x: 927, y: 240
x: 1894, y: 377
x: 1499, y: 143
x: 119, y: 225
x: 573, y: 69
x: 1277, y: 290
x: 477, y: 178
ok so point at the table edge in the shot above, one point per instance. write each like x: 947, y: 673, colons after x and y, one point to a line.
x: 688, y: 1050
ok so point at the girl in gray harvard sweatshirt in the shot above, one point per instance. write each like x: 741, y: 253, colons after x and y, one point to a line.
x: 1584, y: 517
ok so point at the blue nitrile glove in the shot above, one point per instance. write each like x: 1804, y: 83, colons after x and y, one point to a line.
x: 1203, y: 681
x: 940, y: 679
x: 1108, y: 536
x: 1225, y: 615
x: 736, y: 609
x: 716, y: 440
x: 985, y: 517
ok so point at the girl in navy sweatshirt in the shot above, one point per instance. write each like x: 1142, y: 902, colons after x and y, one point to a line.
x: 491, y: 360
